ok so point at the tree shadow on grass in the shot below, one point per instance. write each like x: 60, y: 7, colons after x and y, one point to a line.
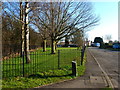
x: 47, y: 76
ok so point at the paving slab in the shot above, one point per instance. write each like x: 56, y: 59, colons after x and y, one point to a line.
x: 96, y: 79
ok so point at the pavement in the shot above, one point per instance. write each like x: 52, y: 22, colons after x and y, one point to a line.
x: 93, y: 78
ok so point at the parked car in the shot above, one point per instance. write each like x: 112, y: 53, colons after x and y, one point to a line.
x: 92, y: 44
x: 116, y: 45
x: 95, y: 44
x: 72, y: 45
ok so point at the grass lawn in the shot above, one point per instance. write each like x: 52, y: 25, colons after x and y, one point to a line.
x: 43, y: 68
x: 113, y: 49
x: 40, y: 62
x: 106, y: 89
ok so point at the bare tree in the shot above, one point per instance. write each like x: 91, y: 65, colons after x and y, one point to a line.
x: 43, y: 32
x: 77, y: 38
x: 26, y: 33
x: 20, y: 11
x: 66, y: 41
x: 108, y: 37
x: 63, y: 17
x: 22, y: 28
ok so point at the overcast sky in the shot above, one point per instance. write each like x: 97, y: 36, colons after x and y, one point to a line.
x: 108, y: 13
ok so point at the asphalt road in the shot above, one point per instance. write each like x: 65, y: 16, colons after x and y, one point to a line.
x: 108, y: 60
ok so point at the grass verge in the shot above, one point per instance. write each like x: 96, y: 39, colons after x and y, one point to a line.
x: 106, y: 89
x: 43, y: 78
x: 112, y: 49
x: 40, y: 79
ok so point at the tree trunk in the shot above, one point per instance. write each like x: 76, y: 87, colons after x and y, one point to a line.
x: 26, y: 36
x: 56, y: 45
x: 53, y: 46
x: 23, y: 39
x: 22, y: 29
x: 66, y: 41
x: 44, y: 45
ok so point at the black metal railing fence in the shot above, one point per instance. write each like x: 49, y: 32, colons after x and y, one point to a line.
x: 15, y: 65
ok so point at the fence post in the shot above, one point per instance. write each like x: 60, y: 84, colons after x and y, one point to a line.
x: 82, y: 56
x: 58, y: 59
x: 23, y: 63
x: 74, y: 68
